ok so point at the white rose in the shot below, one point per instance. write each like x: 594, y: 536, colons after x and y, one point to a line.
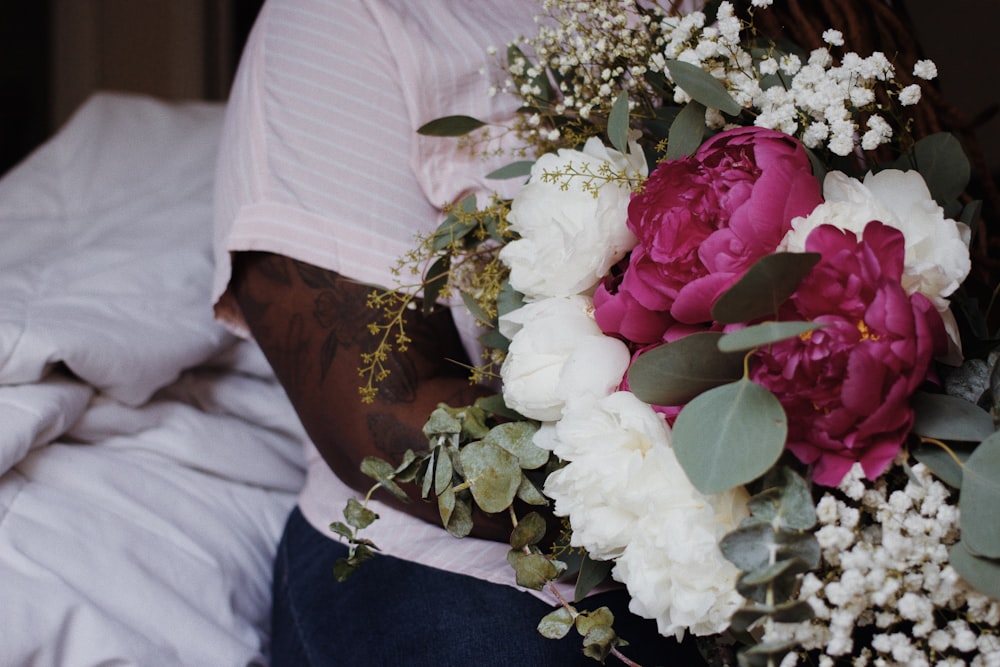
x: 628, y: 499
x: 937, y: 249
x: 570, y: 234
x: 673, y: 568
x: 558, y: 354
x: 605, y: 443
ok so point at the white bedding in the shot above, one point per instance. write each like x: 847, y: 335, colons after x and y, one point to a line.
x: 147, y: 457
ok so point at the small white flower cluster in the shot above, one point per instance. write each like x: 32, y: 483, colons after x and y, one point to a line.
x: 823, y: 103
x: 885, y: 575
x: 597, y: 48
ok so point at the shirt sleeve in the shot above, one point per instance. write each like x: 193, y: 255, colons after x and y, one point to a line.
x: 319, y: 158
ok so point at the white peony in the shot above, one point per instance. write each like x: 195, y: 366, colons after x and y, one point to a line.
x: 937, y: 248
x: 557, y: 354
x: 628, y: 499
x: 571, y: 233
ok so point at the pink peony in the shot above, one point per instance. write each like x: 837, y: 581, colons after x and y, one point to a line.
x: 846, y: 387
x: 702, y: 221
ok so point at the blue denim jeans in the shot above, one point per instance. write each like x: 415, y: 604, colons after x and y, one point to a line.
x: 394, y: 612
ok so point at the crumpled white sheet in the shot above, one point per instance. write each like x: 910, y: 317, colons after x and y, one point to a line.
x: 147, y: 458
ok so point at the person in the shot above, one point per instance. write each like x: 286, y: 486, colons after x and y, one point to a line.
x: 322, y: 185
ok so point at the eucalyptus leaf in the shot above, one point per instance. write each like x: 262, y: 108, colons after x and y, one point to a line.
x: 446, y: 504
x: 495, y: 405
x: 947, y: 462
x: 493, y: 473
x: 357, y: 515
x: 534, y: 571
x: 618, y: 123
x: 442, y: 422
x: 764, y: 334
x: 519, y: 169
x: 587, y: 621
x: 529, y: 493
x: 475, y: 309
x: 787, y: 504
x: 492, y: 339
x: 383, y: 472
x: 983, y: 574
x: 529, y: 530
x: 703, y: 87
x: 442, y: 470
x: 794, y: 611
x: 517, y: 438
x: 730, y: 435
x: 460, y: 521
x: 450, y: 126
x: 777, y: 581
x: 766, y: 654
x: 749, y: 547
x: 556, y: 624
x: 342, y: 529
x: 945, y: 417
x: 674, y: 373
x: 980, y: 499
x: 942, y: 162
x: 435, y: 281
x: 509, y: 299
x: 686, y: 132
x: 764, y: 287
x: 592, y: 573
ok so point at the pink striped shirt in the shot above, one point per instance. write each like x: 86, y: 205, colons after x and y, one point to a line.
x: 320, y: 162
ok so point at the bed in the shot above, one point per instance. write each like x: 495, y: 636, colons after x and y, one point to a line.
x: 148, y: 458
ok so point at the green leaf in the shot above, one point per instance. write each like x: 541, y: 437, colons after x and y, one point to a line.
x: 533, y: 570
x: 342, y: 529
x: 766, y: 654
x: 442, y: 421
x: 983, y: 574
x: 942, y: 162
x: 730, y: 435
x: 529, y: 493
x: 383, y: 472
x: 494, y: 405
x: 945, y: 417
x: 442, y: 470
x: 475, y: 309
x: 764, y: 287
x: 795, y: 611
x: 764, y: 334
x: 556, y: 624
x: 450, y: 126
x: 674, y: 373
x: 434, y: 282
x: 618, y: 123
x: 494, y: 475
x: 446, y: 504
x: 686, y: 132
x: 592, y: 573
x: 948, y: 462
x: 509, y: 299
x: 517, y: 438
x: 788, y: 504
x: 529, y: 530
x: 519, y: 169
x: 703, y: 87
x: 460, y: 521
x: 980, y: 499
x: 357, y: 515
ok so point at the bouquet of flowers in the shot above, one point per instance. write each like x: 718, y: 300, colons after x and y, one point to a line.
x: 722, y: 313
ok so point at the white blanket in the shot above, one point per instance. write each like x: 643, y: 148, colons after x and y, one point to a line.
x: 147, y: 457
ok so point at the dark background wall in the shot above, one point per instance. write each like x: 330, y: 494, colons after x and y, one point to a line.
x: 55, y: 53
